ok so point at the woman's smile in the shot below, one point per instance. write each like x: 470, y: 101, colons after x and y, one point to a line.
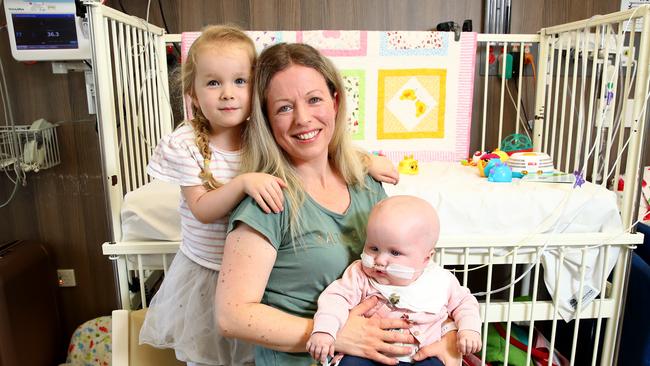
x: 308, y: 136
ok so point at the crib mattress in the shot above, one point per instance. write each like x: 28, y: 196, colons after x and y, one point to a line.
x: 466, y: 203
x: 469, y: 204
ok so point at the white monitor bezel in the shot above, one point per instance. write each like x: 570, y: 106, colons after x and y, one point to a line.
x: 82, y: 52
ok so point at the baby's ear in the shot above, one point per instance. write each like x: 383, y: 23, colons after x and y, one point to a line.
x: 431, y: 254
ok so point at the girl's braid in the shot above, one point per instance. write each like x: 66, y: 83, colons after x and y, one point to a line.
x: 201, y: 127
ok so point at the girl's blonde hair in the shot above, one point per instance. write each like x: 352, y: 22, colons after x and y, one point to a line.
x: 261, y: 153
x: 213, y: 36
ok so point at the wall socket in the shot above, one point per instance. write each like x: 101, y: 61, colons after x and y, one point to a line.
x: 66, y: 277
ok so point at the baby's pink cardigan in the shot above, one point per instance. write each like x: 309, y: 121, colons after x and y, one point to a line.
x: 335, y: 302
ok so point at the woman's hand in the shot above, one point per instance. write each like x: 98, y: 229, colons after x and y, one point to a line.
x: 445, y: 349
x: 371, y: 338
x: 265, y: 189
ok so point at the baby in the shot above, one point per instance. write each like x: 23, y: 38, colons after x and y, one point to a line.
x: 395, y: 266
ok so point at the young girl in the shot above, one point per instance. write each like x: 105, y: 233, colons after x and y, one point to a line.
x: 203, y: 157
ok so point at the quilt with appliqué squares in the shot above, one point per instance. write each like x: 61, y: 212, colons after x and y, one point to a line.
x: 408, y: 92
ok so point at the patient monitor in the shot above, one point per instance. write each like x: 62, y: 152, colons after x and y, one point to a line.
x: 46, y: 30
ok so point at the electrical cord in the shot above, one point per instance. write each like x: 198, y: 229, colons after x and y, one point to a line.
x: 20, y: 176
x: 523, y: 99
x: 11, y: 139
x: 148, y: 9
x: 519, y: 119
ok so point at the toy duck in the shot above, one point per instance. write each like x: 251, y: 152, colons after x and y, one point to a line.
x: 408, y: 165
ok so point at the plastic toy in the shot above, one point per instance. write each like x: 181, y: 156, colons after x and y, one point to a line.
x: 408, y: 165
x: 473, y: 160
x: 485, y: 156
x: 489, y: 155
x: 501, y: 173
x: 480, y: 165
x: 486, y: 161
x: 477, y: 157
x: 516, y: 143
x: 580, y: 179
x: 502, y: 155
x: 531, y: 162
x: 488, y: 167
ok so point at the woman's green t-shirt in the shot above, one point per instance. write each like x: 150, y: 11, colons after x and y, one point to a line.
x: 327, y: 244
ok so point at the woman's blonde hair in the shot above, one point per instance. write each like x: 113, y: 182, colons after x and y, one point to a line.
x: 213, y: 36
x: 261, y: 153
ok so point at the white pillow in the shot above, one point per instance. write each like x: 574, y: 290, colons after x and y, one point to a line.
x: 151, y: 212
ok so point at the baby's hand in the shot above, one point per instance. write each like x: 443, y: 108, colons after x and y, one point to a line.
x: 320, y: 345
x: 265, y: 189
x: 469, y: 341
x: 382, y: 169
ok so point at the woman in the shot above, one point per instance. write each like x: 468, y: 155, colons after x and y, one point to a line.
x: 275, y: 266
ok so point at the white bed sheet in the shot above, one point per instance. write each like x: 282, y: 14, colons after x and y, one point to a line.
x: 466, y: 203
x: 151, y: 213
x: 469, y: 204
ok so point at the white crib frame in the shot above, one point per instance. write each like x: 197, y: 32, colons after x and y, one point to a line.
x: 131, y: 75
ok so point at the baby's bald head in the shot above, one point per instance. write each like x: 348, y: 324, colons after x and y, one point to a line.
x: 410, y: 218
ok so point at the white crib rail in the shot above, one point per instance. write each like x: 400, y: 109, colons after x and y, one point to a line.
x: 503, y: 43
x: 583, y: 119
x: 489, y: 252
x: 133, y: 260
x: 133, y: 111
x: 498, y: 255
x: 600, y: 132
x: 610, y: 72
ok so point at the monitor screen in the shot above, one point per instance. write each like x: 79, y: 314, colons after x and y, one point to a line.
x: 45, y: 31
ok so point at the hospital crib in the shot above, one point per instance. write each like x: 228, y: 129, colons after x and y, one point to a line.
x: 591, y: 91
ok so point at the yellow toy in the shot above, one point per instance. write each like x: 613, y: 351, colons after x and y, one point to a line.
x: 502, y: 155
x: 480, y: 165
x: 408, y: 165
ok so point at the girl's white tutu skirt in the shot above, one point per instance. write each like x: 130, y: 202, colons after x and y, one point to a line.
x: 181, y: 316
